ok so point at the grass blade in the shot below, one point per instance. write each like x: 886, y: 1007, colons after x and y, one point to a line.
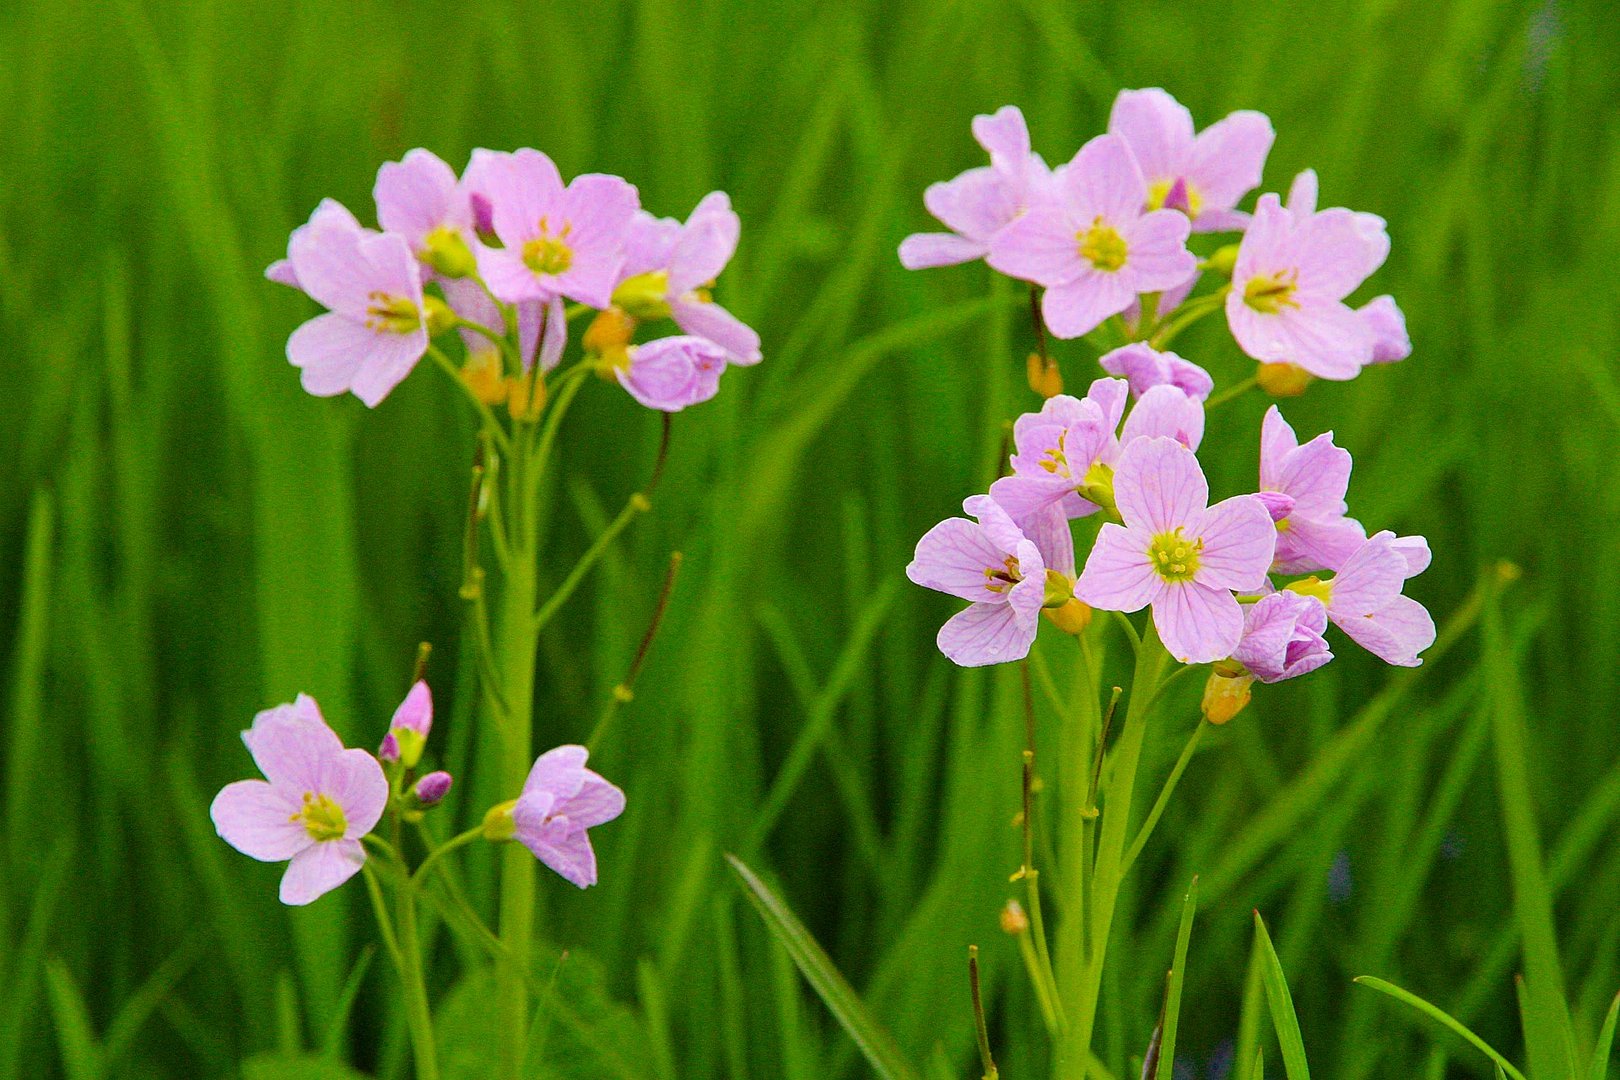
x: 1178, y: 977
x: 1441, y: 1017
x: 1599, y: 1069
x: 82, y: 1058
x: 870, y: 1037
x: 1283, y: 1017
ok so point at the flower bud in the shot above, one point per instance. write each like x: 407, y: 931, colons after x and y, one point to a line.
x: 1225, y: 694
x: 431, y: 789
x: 1283, y: 380
x: 1072, y: 618
x: 498, y: 822
x: 644, y: 296
x: 437, y: 316
x: 1098, y: 486
x: 610, y: 331
x: 483, y: 375
x: 1013, y: 919
x: 526, y: 396
x: 389, y: 750
x: 1044, y: 377
x: 448, y: 253
x: 1223, y: 260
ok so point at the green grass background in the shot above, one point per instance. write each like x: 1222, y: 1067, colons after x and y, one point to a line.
x: 188, y: 537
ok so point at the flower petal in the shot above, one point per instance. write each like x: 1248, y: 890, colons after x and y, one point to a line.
x: 1119, y: 576
x: 954, y: 557
x: 597, y: 803
x: 986, y: 634
x: 1239, y: 540
x: 1158, y: 128
x: 1159, y: 487
x: 1228, y: 158
x: 1397, y: 633
x: 319, y: 869
x: 1104, y: 181
x: 259, y: 820
x: 1370, y: 579
x: 291, y: 743
x: 560, y: 771
x: 1197, y: 624
x: 1079, y: 305
x: 924, y: 251
x: 709, y: 320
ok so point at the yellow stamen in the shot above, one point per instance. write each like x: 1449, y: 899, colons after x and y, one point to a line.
x: 1102, y: 246
x: 1270, y: 293
x: 1174, y: 557
x: 548, y: 254
x: 392, y: 314
x: 323, y: 819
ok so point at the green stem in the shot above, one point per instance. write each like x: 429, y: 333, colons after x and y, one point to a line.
x: 491, y: 424
x: 418, y: 1014
x: 1107, y: 872
x: 636, y: 505
x: 444, y: 849
x: 1236, y: 390
x: 1186, y: 315
x: 1074, y: 869
x: 1164, y: 799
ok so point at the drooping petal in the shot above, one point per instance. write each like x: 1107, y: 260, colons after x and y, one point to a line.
x: 260, y: 820
x: 1325, y: 338
x: 1026, y: 597
x: 986, y: 634
x: 1239, y: 540
x: 1387, y: 324
x: 391, y: 358
x: 320, y: 868
x: 566, y: 850
x: 1197, y: 624
x: 709, y: 320
x: 1025, y: 496
x: 956, y: 557
x: 1398, y: 633
x: 999, y: 527
x: 1309, y: 545
x: 1119, y: 575
x: 1415, y: 550
x: 1159, y: 487
x: 597, y: 803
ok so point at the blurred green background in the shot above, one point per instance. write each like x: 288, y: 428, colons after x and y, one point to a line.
x: 189, y: 538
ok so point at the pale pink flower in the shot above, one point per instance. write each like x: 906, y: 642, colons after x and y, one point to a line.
x: 673, y: 372
x: 1202, y: 175
x: 1387, y: 322
x: 980, y: 202
x: 317, y: 800
x: 1091, y: 245
x: 421, y: 200
x: 1364, y: 599
x: 561, y: 800
x: 1143, y: 366
x: 1176, y: 553
x: 1304, y: 488
x: 329, y: 214
x: 408, y: 730
x: 1282, y: 637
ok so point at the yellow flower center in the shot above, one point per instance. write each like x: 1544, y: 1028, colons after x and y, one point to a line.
x: 548, y: 254
x: 323, y: 819
x: 1270, y: 293
x: 643, y: 296
x: 392, y: 314
x: 1174, y: 556
x: 1159, y: 190
x: 445, y: 251
x: 998, y: 579
x: 1313, y: 586
x: 1102, y: 246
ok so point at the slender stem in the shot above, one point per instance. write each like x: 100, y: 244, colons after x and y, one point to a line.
x: 637, y: 504
x: 385, y: 922
x: 1076, y: 749
x: 1164, y: 799
x: 1189, y: 313
x: 491, y: 424
x: 980, y: 1030
x: 501, y: 341
x: 567, y: 385
x: 1130, y: 631
x: 461, y: 840
x: 418, y: 1013
x: 1236, y: 390
x: 1106, y: 873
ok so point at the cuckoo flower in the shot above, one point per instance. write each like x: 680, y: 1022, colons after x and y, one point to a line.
x: 980, y: 202
x: 329, y: 214
x: 1202, y: 175
x: 1091, y: 244
x: 420, y: 200
x: 408, y: 730
x: 1387, y: 322
x: 317, y: 800
x: 1293, y: 270
x: 1282, y: 637
x: 1168, y: 411
x: 1177, y: 553
x: 562, y: 799
x: 1144, y: 366
x: 670, y: 268
x: 542, y: 324
x: 1067, y: 448
x: 671, y: 373
x: 377, y: 326
x: 559, y: 240
x: 1364, y: 599
x: 1003, y: 570
x: 1304, y: 488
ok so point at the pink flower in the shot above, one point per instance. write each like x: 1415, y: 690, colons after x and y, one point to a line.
x: 1067, y: 448
x: 1294, y: 268
x: 376, y: 328
x: 1002, y: 570
x: 1364, y: 599
x: 1168, y: 411
x: 669, y: 269
x: 420, y: 200
x: 671, y: 373
x: 542, y: 324
x: 1091, y: 245
x: 1177, y: 553
x: 431, y: 789
x: 1203, y: 176
x: 980, y: 202
x: 1385, y: 319
x: 559, y: 241
x: 1282, y: 637
x: 1144, y: 366
x: 562, y: 799
x: 408, y: 730
x: 1304, y: 488
x: 317, y: 800
x: 329, y: 214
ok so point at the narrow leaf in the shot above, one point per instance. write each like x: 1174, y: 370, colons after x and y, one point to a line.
x: 1283, y: 1017
x: 82, y: 1058
x: 1599, y: 1069
x: 1443, y: 1018
x: 870, y: 1037
x: 1178, y: 977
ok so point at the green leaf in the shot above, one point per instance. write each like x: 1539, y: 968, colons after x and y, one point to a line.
x: 834, y: 990
x: 1599, y: 1069
x: 82, y: 1057
x: 1442, y: 1017
x: 297, y: 1067
x: 333, y: 1043
x: 1282, y: 1007
x: 1178, y: 977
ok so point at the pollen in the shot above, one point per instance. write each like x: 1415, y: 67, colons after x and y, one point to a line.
x: 998, y: 579
x: 1102, y: 246
x: 1270, y: 293
x: 548, y: 253
x: 322, y: 818
x: 1159, y: 191
x: 1174, y: 557
x: 392, y: 314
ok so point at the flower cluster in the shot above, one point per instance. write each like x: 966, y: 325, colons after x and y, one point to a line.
x: 1251, y: 583
x: 318, y: 800
x: 508, y: 250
